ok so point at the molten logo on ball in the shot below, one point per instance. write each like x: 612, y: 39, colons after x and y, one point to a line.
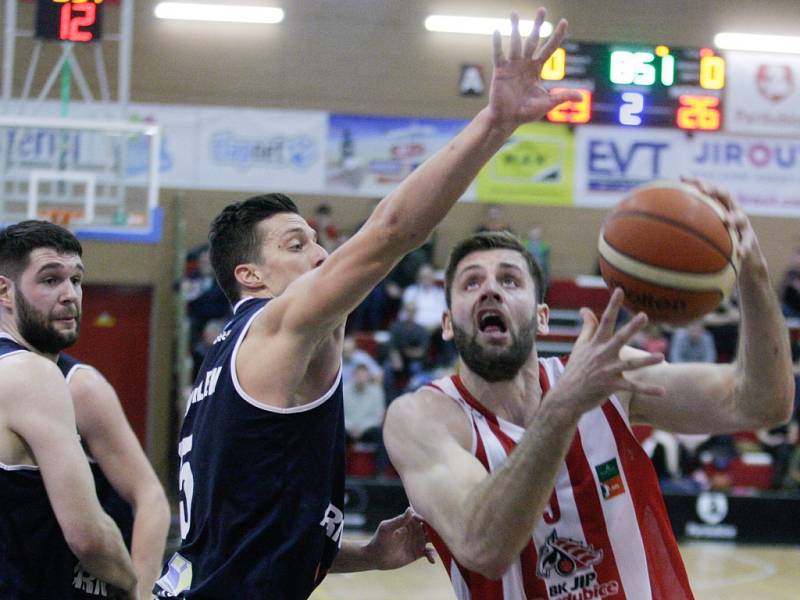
x: 648, y: 302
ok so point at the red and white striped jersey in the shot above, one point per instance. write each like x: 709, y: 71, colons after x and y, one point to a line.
x: 605, y: 533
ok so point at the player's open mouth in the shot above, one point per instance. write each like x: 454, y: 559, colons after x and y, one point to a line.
x: 491, y: 321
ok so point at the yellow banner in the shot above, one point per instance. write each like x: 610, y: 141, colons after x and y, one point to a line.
x: 533, y: 167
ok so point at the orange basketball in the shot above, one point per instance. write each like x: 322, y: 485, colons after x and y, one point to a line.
x: 667, y: 246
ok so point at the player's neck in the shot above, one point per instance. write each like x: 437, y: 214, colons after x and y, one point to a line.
x: 9, y: 328
x: 515, y: 400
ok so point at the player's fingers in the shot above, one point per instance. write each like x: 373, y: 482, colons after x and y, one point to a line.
x: 638, y: 362
x: 610, y: 314
x: 532, y: 41
x: 565, y: 96
x: 553, y: 42
x: 497, y: 45
x: 627, y: 331
x: 430, y: 555
x: 589, y: 325
x: 515, y: 45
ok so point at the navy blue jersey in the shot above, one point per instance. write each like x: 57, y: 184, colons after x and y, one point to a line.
x: 85, y: 585
x: 261, y: 489
x: 35, y: 561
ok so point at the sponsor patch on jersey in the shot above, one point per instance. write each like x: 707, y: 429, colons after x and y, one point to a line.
x: 610, y: 480
x: 566, y: 556
x: 178, y: 577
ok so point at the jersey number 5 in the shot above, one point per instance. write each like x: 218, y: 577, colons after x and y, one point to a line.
x: 186, y: 485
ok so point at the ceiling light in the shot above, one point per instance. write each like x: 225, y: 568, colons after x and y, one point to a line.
x: 228, y: 13
x: 481, y: 25
x: 757, y: 42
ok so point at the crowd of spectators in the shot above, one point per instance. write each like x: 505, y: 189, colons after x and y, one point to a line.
x: 394, y: 345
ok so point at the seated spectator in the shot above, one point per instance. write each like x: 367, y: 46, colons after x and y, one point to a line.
x: 327, y: 233
x: 789, y: 290
x: 353, y: 356
x: 407, y: 352
x: 493, y: 220
x: 364, y: 409
x: 429, y: 298
x: 692, y: 344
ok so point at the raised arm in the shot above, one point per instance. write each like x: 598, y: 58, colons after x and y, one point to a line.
x: 320, y: 300
x: 754, y: 392
x: 487, y: 519
x: 41, y: 413
x: 112, y: 443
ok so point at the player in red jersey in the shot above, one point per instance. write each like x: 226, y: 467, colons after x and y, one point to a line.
x: 525, y: 469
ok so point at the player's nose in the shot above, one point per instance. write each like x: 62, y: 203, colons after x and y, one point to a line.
x: 320, y: 256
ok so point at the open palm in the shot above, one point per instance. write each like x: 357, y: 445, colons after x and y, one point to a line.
x: 517, y: 95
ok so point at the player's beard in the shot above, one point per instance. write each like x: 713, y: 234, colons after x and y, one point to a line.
x: 496, y: 364
x: 38, y: 330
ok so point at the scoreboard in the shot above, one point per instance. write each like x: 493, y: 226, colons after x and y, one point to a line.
x: 638, y: 85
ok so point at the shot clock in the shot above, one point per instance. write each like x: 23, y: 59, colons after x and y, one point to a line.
x: 636, y: 85
x: 69, y: 21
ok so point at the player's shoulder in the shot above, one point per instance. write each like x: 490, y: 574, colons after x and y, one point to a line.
x: 28, y: 378
x: 426, y: 407
x: 28, y: 366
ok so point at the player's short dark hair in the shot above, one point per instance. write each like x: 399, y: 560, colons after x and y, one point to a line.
x: 492, y: 240
x: 234, y: 238
x: 19, y: 240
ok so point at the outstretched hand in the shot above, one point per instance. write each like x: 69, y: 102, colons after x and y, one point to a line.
x: 400, y: 541
x: 595, y: 369
x: 517, y: 95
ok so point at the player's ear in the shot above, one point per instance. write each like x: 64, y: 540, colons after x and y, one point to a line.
x: 249, y: 277
x: 542, y: 319
x: 447, y: 326
x: 6, y: 292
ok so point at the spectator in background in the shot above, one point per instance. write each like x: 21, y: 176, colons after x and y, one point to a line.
x: 428, y: 296
x: 781, y: 442
x: 354, y: 357
x: 327, y: 233
x: 364, y: 409
x: 540, y: 249
x: 692, y: 344
x: 409, y: 343
x: 492, y: 220
x: 204, y: 298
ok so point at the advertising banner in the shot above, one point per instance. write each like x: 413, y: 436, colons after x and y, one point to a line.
x: 371, y: 155
x: 762, y: 94
x: 535, y: 166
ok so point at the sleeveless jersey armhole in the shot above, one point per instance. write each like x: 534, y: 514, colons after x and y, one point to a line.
x: 261, y: 405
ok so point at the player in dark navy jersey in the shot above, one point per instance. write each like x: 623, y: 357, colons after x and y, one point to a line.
x: 126, y: 484
x: 49, y: 512
x: 262, y: 445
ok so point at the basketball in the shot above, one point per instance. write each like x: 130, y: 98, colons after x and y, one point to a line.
x: 668, y: 247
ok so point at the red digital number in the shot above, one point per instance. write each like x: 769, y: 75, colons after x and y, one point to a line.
x: 572, y: 112
x: 75, y: 16
x: 698, y: 112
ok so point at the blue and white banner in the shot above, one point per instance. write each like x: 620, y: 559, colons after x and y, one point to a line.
x: 610, y: 161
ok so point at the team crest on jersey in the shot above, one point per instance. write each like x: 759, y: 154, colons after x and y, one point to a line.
x: 566, y: 556
x: 611, y: 484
